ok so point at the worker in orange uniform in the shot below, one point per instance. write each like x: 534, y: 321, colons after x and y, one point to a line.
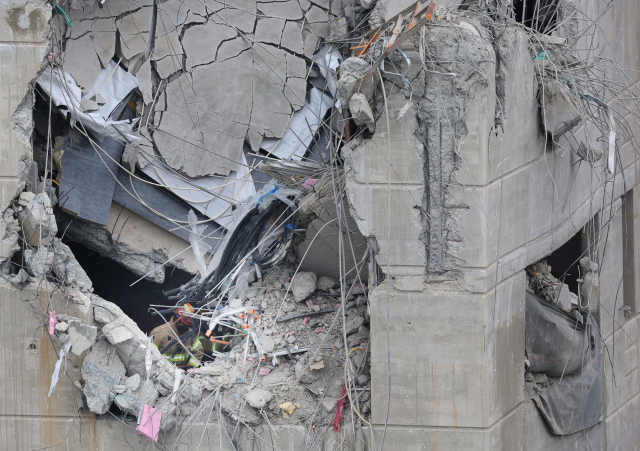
x: 179, y: 325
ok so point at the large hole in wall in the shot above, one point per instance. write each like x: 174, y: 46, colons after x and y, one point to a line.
x: 111, y: 281
x: 564, y: 262
x: 537, y: 14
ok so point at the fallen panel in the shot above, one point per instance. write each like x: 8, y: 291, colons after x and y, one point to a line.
x: 303, y: 127
x: 160, y: 207
x: 67, y: 95
x: 219, y: 193
x: 88, y: 178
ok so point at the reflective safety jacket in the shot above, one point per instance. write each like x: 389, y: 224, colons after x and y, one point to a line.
x: 163, y: 334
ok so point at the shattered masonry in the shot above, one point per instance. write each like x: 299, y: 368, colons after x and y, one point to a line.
x: 319, y: 224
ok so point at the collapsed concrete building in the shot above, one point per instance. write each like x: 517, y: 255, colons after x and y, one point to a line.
x: 399, y: 225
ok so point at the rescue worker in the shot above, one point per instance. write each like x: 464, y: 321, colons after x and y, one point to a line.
x: 178, y: 325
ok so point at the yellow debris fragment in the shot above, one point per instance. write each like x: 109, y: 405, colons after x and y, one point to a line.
x: 288, y: 408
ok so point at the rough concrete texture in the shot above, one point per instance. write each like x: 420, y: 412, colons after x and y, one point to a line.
x: 258, y: 398
x: 559, y: 110
x: 102, y: 369
x: 131, y: 401
x: 82, y: 335
x: 36, y: 217
x: 361, y: 111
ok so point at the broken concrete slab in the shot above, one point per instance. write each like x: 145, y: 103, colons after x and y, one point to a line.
x: 102, y: 370
x: 232, y: 48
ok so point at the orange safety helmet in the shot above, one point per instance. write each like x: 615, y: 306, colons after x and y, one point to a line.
x: 187, y: 308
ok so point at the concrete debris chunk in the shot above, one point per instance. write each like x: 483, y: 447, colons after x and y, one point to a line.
x: 303, y: 284
x: 352, y: 70
x: 38, y: 263
x: 68, y: 270
x: 10, y: 229
x: 37, y: 220
x: 131, y: 401
x: 133, y: 383
x: 361, y: 111
x: 62, y: 327
x: 88, y: 105
x: 102, y: 370
x: 258, y: 398
x: 82, y: 336
x: 168, y: 413
x: 21, y: 278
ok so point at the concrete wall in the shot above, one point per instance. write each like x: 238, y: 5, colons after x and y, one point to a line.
x: 457, y: 349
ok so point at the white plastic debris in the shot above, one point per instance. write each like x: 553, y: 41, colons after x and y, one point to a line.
x: 64, y: 350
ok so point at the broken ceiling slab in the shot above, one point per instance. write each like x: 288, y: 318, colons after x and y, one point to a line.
x: 201, y: 42
x: 316, y: 15
x: 81, y: 61
x: 174, y: 13
x: 134, y: 32
x: 160, y: 207
x: 269, y: 30
x: 283, y: 10
x: 144, y: 77
x: 103, y: 32
x: 167, y: 43
x: 212, y: 196
x: 232, y: 48
x: 240, y: 14
x: 303, y: 127
x: 193, y: 137
x: 292, y: 38
x: 271, y: 109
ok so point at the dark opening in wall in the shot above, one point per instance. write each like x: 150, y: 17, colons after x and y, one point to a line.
x: 111, y: 281
x: 565, y: 260
x: 539, y: 15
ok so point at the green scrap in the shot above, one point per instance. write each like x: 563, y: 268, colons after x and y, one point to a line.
x: 58, y: 10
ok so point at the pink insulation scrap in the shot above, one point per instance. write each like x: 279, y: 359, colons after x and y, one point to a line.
x: 53, y: 320
x: 292, y: 332
x: 264, y: 371
x: 150, y: 423
x: 309, y: 183
x: 305, y: 321
x: 318, y: 330
x: 309, y: 303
